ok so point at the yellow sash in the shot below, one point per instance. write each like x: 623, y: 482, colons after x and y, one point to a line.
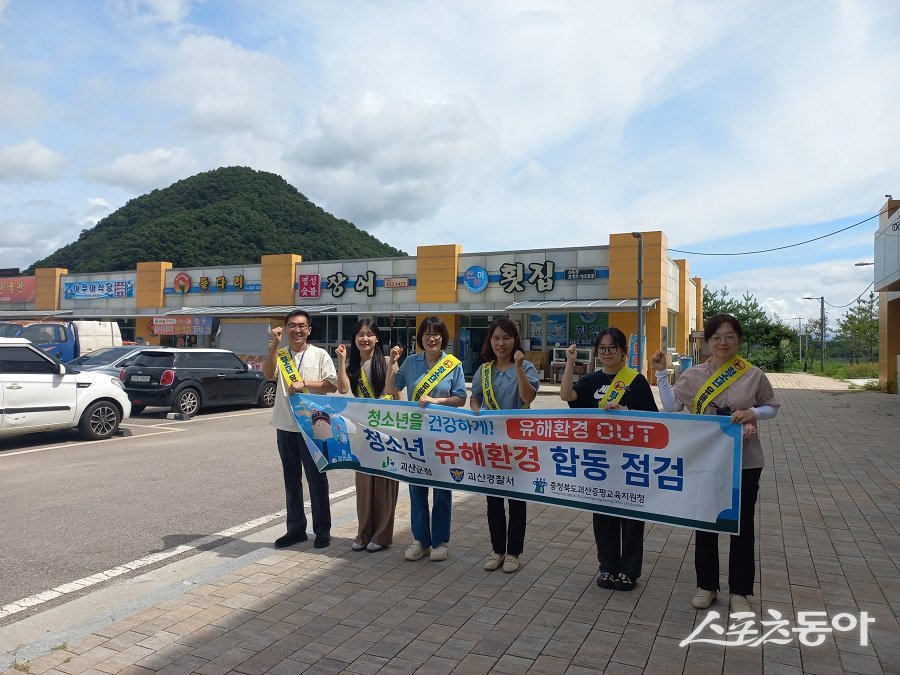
x: 617, y: 387
x: 441, y: 369
x: 718, y: 382
x: 287, y: 369
x: 365, y: 389
x: 487, y: 387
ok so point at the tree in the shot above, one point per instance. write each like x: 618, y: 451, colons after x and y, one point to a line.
x: 858, y: 328
x: 814, y: 330
x: 718, y: 302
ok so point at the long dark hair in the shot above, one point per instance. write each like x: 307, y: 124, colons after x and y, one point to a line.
x: 508, y: 327
x: 354, y: 367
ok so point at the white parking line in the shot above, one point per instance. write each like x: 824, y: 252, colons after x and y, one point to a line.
x: 105, y: 575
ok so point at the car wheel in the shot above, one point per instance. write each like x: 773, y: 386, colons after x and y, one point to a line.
x: 267, y: 395
x: 100, y: 420
x: 187, y: 402
x: 137, y: 409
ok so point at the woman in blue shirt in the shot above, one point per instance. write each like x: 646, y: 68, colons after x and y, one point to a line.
x: 513, y: 383
x: 431, y: 531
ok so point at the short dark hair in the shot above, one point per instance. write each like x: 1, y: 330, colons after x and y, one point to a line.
x: 434, y: 325
x: 298, y: 312
x: 617, y: 337
x: 508, y: 327
x: 714, y: 322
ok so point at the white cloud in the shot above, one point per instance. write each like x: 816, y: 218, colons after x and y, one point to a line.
x: 147, y: 170
x: 158, y: 11
x: 372, y: 161
x: 30, y: 161
x: 223, y: 88
x: 780, y: 290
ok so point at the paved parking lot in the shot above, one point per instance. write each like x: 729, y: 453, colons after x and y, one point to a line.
x: 827, y: 541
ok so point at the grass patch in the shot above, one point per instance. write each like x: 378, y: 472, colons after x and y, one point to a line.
x: 21, y: 666
x: 61, y: 647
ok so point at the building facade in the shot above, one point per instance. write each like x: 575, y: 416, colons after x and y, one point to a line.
x: 555, y: 295
x: 887, y: 284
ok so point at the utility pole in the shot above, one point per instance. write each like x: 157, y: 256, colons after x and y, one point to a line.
x: 822, y: 320
x: 799, y: 336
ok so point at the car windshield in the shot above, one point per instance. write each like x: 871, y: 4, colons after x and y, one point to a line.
x: 101, y: 357
x: 155, y: 360
x: 9, y: 329
x: 38, y: 333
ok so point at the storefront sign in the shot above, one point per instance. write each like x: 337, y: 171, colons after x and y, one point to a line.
x: 17, y: 289
x: 556, y: 327
x: 475, y: 279
x: 338, y: 283
x: 585, y: 326
x: 182, y: 283
x: 90, y: 290
x: 308, y: 285
x: 540, y: 275
x: 681, y: 470
x: 581, y: 274
x: 396, y: 282
x: 181, y: 325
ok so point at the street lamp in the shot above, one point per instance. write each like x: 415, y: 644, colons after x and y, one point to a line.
x: 822, y: 319
x: 863, y: 264
x: 640, y: 300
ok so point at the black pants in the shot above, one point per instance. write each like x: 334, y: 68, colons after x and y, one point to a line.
x: 294, y: 458
x: 505, y: 540
x: 741, y: 565
x: 620, y: 544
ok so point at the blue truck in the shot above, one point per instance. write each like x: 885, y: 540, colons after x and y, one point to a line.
x: 66, y: 340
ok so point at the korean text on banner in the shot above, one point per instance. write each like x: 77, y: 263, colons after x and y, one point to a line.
x: 682, y: 470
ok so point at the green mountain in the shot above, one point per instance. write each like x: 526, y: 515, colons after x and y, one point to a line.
x: 230, y: 216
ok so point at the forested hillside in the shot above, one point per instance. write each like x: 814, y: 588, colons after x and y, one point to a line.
x: 229, y: 216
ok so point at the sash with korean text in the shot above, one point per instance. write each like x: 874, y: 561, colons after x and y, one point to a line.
x: 729, y: 373
x: 487, y: 387
x: 441, y: 369
x: 287, y: 369
x: 617, y: 387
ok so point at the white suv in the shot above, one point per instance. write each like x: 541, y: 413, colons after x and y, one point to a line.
x: 38, y: 393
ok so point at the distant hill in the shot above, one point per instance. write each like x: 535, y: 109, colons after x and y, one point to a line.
x: 230, y: 216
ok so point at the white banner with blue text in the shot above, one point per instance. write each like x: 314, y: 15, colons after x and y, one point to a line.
x: 678, y: 469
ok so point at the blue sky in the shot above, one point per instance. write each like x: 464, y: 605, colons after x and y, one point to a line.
x: 730, y: 126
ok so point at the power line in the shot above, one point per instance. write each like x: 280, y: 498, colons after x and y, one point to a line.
x: 852, y: 301
x: 781, y: 248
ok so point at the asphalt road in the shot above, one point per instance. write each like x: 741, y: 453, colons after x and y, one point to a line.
x: 73, y: 508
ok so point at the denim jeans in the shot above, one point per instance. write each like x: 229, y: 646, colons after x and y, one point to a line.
x: 432, y: 529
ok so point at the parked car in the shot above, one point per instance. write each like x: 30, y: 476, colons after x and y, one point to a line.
x: 109, y: 360
x: 38, y: 393
x: 186, y: 380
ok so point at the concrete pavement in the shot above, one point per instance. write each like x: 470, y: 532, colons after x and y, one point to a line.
x: 827, y: 539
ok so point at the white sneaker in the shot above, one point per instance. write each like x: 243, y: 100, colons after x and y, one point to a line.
x: 703, y: 599
x: 493, y: 561
x: 439, y: 553
x: 415, y: 551
x: 511, y: 564
x: 740, y: 603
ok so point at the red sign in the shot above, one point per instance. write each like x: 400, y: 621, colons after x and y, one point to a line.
x: 182, y: 283
x: 17, y: 289
x: 590, y: 430
x: 308, y: 285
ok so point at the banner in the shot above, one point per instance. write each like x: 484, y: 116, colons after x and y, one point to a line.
x: 676, y: 469
x: 181, y: 325
x: 17, y: 289
x: 89, y: 290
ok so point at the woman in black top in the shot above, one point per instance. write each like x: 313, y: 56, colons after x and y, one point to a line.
x: 620, y: 541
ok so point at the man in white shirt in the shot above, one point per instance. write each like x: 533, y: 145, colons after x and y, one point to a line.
x: 316, y: 376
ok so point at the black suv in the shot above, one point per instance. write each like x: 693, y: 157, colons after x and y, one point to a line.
x: 186, y: 380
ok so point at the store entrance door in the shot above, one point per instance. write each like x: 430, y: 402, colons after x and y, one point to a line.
x: 471, y: 341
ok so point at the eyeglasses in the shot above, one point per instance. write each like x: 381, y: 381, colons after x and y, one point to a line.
x: 432, y: 336
x: 292, y: 326
x: 607, y: 350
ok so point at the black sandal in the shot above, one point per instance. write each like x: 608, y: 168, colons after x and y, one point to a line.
x: 605, y: 580
x: 623, y: 582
